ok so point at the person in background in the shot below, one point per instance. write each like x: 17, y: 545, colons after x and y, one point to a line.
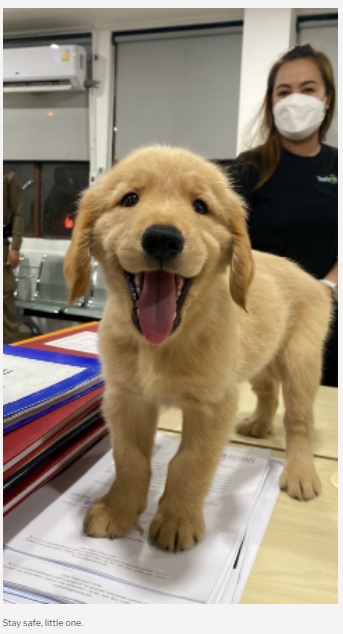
x: 290, y: 181
x: 12, y: 237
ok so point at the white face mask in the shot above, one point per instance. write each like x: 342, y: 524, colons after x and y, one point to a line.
x: 298, y: 116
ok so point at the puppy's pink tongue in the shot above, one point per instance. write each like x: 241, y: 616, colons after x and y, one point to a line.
x: 157, y: 305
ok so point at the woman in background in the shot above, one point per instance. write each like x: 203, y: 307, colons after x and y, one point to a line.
x: 290, y: 182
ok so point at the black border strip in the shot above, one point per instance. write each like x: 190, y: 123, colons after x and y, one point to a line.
x: 178, y: 28
x: 322, y: 17
x: 46, y: 38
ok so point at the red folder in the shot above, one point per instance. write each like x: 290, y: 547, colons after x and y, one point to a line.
x: 42, y: 475
x: 28, y: 439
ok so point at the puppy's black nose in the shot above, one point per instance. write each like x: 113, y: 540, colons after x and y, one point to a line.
x: 162, y: 241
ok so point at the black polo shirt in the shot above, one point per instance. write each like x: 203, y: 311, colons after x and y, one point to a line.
x: 295, y: 213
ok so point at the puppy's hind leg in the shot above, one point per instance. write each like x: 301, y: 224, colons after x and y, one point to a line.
x: 300, y: 381
x: 260, y: 423
x: 132, y: 424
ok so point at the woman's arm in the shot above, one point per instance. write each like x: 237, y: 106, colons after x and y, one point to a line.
x: 331, y: 281
x: 332, y: 275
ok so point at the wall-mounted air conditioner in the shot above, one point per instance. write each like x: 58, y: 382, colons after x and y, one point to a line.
x: 44, y: 68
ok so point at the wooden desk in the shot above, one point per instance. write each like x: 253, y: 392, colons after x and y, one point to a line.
x: 326, y: 422
x: 297, y: 560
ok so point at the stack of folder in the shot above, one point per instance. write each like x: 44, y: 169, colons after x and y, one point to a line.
x: 52, y: 413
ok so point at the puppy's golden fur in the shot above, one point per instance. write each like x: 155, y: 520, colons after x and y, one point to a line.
x: 246, y: 316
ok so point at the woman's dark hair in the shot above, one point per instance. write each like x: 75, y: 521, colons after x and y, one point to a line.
x: 270, y: 150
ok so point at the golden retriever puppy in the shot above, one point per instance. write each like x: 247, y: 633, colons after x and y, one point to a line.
x: 191, y: 312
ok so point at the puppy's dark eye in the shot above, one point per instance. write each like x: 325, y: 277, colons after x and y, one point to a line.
x: 129, y: 200
x: 200, y: 206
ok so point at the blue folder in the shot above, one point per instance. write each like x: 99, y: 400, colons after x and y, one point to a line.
x: 42, y: 401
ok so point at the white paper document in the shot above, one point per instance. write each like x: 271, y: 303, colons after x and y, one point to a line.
x: 23, y: 377
x: 36, y: 381
x: 85, y: 341
x: 51, y: 561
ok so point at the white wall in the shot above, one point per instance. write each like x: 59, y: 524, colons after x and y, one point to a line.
x: 101, y: 105
x: 268, y: 33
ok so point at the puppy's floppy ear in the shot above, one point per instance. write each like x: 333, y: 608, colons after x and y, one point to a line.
x: 77, y: 262
x: 242, y: 264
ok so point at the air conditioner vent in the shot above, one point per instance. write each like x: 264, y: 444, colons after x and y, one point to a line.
x: 44, y: 69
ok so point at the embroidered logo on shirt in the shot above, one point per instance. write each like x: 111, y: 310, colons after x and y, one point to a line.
x: 331, y: 178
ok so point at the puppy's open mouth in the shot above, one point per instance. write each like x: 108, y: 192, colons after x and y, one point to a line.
x: 157, y: 298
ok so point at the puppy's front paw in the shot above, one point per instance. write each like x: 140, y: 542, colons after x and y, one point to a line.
x: 253, y: 427
x: 175, y: 533
x: 300, y: 481
x: 106, y: 519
